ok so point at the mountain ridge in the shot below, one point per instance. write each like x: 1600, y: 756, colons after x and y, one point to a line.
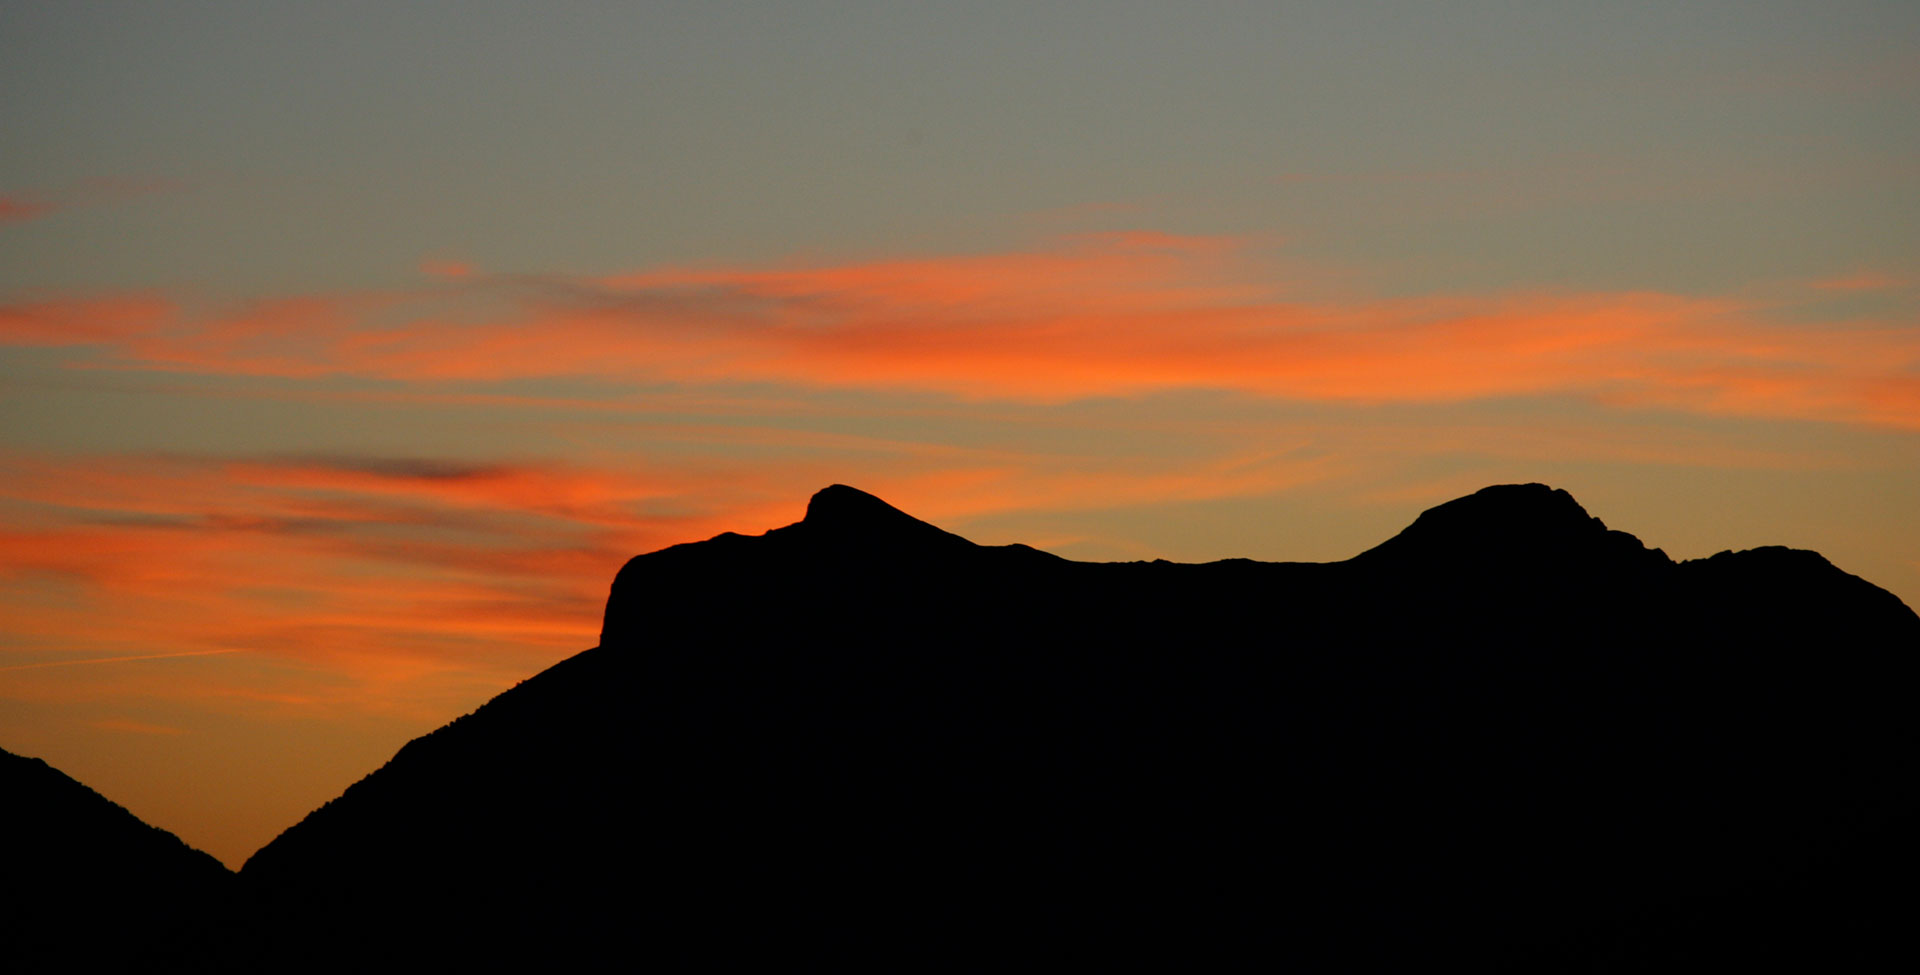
x: 78, y: 862
x: 861, y: 715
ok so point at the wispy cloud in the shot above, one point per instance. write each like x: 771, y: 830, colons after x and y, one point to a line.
x: 117, y: 322
x: 116, y: 660
x: 137, y: 727
x: 355, y: 563
x: 1099, y: 316
x: 443, y: 267
x: 20, y: 207
x: 1861, y: 281
x: 16, y: 209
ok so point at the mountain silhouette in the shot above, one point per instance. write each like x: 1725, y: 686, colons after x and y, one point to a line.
x: 88, y: 886
x: 1507, y: 737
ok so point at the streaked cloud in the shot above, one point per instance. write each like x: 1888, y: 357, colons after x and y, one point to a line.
x: 120, y: 321
x: 114, y: 660
x: 1862, y: 281
x: 20, y: 207
x: 443, y: 267
x: 1123, y: 314
x: 17, y: 209
x: 136, y: 727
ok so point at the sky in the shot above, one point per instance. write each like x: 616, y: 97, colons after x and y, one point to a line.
x: 347, y: 350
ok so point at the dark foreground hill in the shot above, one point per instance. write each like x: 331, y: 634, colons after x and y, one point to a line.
x: 1507, y: 737
x: 86, y: 886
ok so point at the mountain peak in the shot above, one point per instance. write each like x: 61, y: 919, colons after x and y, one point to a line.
x: 842, y: 515
x: 1507, y: 521
x: 838, y: 505
x: 1534, y: 505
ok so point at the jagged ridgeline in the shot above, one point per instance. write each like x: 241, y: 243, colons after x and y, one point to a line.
x: 1507, y: 737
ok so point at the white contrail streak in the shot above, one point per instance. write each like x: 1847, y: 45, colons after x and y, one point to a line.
x: 115, y: 660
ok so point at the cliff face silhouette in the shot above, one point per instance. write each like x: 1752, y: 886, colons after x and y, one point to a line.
x: 1507, y: 736
x: 85, y: 885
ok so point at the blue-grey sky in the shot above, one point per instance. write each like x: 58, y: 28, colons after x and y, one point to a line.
x: 296, y: 146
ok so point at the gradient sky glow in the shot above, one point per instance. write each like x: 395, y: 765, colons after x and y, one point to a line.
x: 346, y: 350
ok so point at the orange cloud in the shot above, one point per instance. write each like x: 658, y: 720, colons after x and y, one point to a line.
x: 1861, y: 281
x: 112, y: 322
x: 137, y: 727
x: 445, y: 268
x: 299, y: 562
x: 18, y: 208
x: 115, y: 660
x: 13, y: 209
x: 1103, y: 316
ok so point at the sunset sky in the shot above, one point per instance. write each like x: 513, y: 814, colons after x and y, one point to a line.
x: 348, y: 349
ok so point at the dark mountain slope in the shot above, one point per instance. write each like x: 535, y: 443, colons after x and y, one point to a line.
x: 1508, y: 736
x: 87, y: 886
